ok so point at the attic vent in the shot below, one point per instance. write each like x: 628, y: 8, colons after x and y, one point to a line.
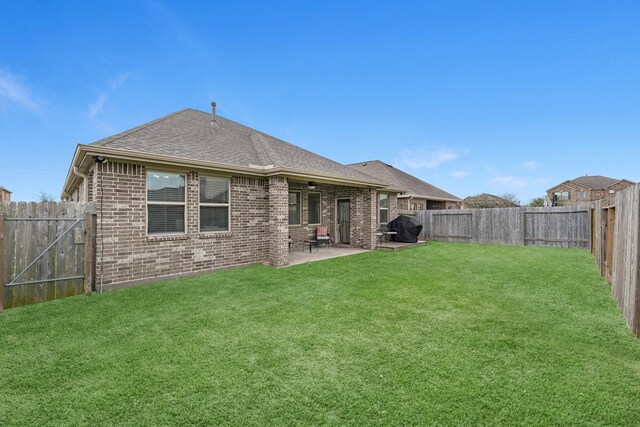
x: 389, y: 165
x: 364, y: 164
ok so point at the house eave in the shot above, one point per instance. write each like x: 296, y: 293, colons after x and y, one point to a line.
x: 83, y: 158
x: 421, y: 196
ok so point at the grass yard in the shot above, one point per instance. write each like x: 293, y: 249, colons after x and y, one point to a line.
x: 447, y: 334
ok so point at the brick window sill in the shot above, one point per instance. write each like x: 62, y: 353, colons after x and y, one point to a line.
x: 215, y: 235
x: 167, y: 237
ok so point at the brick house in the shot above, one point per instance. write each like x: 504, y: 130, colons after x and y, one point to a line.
x: 586, y: 189
x: 5, y: 195
x: 416, y: 194
x: 193, y: 192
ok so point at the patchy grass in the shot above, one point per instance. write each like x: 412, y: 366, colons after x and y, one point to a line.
x: 445, y: 334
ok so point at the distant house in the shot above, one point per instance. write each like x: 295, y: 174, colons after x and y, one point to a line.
x: 5, y: 195
x: 416, y: 195
x: 586, y: 189
x: 486, y: 200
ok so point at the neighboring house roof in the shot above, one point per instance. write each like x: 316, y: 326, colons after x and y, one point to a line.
x: 594, y: 182
x: 188, y: 137
x: 398, y: 179
x: 488, y: 199
x: 4, y: 189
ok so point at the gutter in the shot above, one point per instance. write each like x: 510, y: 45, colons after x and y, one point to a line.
x: 418, y: 196
x: 83, y: 151
x: 85, y: 180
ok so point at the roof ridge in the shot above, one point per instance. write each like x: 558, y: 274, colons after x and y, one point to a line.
x: 133, y: 130
x: 297, y: 147
x: 266, y: 153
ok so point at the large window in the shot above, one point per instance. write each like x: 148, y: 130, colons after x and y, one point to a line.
x: 562, y: 195
x: 384, y: 208
x: 165, y: 202
x: 214, y: 204
x: 294, y: 208
x: 313, y: 209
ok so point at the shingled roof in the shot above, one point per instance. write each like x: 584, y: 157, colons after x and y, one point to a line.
x: 595, y: 182
x: 398, y: 179
x: 188, y: 134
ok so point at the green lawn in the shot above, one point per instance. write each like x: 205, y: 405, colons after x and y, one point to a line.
x: 444, y: 334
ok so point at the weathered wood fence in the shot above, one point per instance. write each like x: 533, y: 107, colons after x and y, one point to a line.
x: 47, y: 251
x: 616, y: 247
x: 567, y: 227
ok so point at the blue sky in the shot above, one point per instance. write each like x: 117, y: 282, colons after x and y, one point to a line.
x: 470, y: 96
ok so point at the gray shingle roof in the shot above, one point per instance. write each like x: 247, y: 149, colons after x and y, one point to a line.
x: 398, y: 179
x: 595, y: 182
x: 188, y: 134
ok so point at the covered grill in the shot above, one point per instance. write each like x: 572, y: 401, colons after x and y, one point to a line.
x: 408, y: 229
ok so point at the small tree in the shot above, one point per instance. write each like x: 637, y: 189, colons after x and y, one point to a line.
x: 46, y: 197
x: 538, y: 202
x: 511, y: 197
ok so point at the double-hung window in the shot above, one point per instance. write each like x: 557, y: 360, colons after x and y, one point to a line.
x: 214, y: 204
x: 384, y: 208
x: 314, y: 209
x: 562, y: 195
x: 165, y: 202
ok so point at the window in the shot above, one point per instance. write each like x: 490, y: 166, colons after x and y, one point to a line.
x: 214, y: 204
x: 313, y: 209
x: 165, y: 202
x: 582, y: 195
x: 562, y: 195
x: 294, y: 208
x: 384, y: 208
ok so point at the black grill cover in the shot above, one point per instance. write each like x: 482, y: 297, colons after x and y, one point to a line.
x: 408, y: 229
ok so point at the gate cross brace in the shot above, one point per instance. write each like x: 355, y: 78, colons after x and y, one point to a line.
x: 43, y: 252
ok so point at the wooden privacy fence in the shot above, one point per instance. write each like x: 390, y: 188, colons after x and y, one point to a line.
x: 616, y: 247
x: 567, y: 227
x: 47, y: 251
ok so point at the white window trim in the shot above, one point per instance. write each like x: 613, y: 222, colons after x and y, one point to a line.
x: 383, y: 209
x: 320, y: 207
x: 228, y: 205
x: 147, y: 203
x: 299, y: 207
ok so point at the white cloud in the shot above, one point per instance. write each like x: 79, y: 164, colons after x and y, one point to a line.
x: 13, y: 91
x: 95, y: 108
x: 531, y: 166
x: 459, y: 174
x: 429, y: 158
x: 508, y: 181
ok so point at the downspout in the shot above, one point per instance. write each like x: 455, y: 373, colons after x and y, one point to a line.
x: 409, y: 203
x: 85, y: 180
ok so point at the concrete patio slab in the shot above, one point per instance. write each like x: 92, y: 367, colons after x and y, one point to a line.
x: 298, y: 256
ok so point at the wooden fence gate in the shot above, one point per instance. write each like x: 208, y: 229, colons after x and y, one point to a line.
x: 47, y: 251
x: 567, y: 227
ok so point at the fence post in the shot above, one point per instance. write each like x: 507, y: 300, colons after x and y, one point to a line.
x: 89, y: 253
x: 2, y: 262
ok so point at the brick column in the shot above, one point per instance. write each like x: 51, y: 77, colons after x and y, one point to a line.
x: 370, y: 218
x: 278, y: 221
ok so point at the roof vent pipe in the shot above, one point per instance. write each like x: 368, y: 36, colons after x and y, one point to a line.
x: 213, y: 114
